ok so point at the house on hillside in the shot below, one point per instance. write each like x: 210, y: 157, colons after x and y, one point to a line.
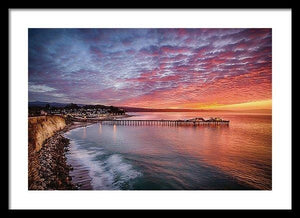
x: 44, y: 113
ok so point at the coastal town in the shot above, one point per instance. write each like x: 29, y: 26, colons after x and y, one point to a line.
x: 77, y: 112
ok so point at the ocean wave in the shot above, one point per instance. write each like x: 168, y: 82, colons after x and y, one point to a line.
x: 107, y: 171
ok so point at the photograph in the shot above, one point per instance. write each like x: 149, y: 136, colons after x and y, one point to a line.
x: 149, y: 109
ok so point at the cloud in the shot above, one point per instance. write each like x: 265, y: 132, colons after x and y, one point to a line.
x: 150, y: 67
x: 40, y: 88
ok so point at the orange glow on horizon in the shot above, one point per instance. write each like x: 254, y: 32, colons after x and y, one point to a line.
x: 264, y: 104
x: 252, y: 105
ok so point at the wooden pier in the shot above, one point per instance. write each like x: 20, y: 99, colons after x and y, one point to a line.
x: 163, y: 122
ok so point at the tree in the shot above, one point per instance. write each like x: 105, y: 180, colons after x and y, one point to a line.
x: 72, y: 106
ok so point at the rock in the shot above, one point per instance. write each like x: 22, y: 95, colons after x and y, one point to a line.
x: 52, y: 168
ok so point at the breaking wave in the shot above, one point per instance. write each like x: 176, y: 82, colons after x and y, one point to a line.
x: 107, y: 171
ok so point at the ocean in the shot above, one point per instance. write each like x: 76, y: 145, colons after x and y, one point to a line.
x: 116, y: 157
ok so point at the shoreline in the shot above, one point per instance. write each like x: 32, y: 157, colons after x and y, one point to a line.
x: 78, y: 173
x: 53, y: 169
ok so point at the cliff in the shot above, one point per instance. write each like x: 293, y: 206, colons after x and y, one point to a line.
x: 42, y: 128
x: 39, y: 130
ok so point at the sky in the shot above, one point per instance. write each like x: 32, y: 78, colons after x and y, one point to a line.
x: 152, y: 68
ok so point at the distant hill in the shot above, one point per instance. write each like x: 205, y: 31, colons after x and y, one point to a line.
x: 53, y: 104
x: 135, y: 109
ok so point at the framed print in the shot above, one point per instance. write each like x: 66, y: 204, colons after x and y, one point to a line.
x: 138, y: 111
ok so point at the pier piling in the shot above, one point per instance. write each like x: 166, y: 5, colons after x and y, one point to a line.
x: 163, y: 122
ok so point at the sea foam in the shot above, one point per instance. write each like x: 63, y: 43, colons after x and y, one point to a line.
x: 107, y: 171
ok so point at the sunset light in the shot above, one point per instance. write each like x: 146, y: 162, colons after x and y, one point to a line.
x: 228, y: 69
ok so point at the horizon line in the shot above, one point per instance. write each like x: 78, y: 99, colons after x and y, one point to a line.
x: 232, y: 107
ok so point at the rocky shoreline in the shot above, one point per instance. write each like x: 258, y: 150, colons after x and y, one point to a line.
x: 51, y: 169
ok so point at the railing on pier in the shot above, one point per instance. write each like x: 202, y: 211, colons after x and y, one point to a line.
x: 163, y: 122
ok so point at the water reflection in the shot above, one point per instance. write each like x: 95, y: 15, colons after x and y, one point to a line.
x: 84, y: 132
x: 115, y: 132
x: 100, y: 129
x: 237, y: 156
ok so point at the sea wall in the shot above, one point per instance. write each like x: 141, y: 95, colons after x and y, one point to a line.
x: 39, y: 130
